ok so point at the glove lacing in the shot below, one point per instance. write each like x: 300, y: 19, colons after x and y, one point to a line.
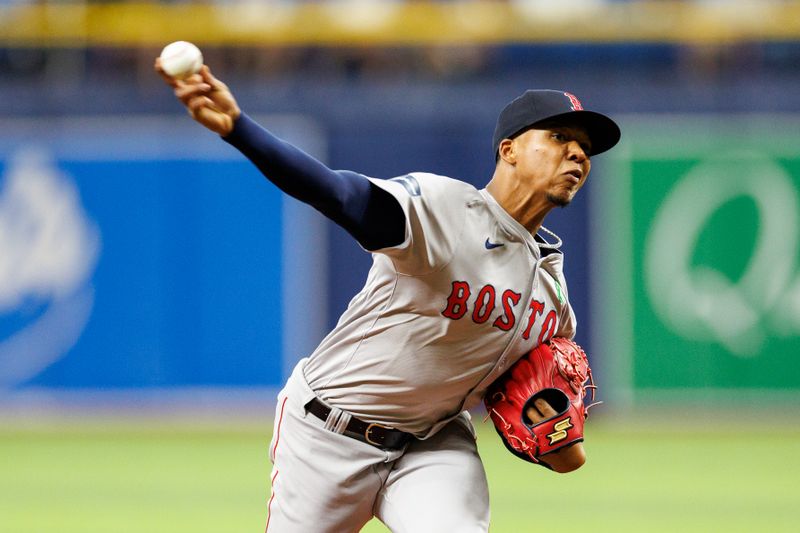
x: 523, y: 445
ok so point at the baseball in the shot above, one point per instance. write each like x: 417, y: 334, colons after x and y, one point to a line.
x: 181, y: 59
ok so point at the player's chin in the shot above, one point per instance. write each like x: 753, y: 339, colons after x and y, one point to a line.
x: 561, y: 199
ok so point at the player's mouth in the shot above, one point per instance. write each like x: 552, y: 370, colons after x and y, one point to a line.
x: 575, y: 175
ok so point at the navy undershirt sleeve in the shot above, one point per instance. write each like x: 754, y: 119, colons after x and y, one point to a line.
x: 370, y: 214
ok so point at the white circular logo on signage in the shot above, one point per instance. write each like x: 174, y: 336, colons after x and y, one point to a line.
x: 49, y: 251
x: 701, y: 303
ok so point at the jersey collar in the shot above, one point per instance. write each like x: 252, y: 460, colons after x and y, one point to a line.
x: 538, y: 243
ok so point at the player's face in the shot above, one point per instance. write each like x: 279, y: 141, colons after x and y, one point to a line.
x: 554, y: 161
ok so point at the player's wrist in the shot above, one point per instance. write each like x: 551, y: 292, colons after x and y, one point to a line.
x: 232, y: 123
x: 235, y: 113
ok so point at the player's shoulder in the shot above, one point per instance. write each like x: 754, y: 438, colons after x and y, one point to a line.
x: 435, y: 185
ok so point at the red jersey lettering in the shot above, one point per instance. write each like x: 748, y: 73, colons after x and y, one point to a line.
x: 484, y: 304
x: 507, y: 320
x: 548, y: 327
x: 536, y: 309
x: 457, y: 301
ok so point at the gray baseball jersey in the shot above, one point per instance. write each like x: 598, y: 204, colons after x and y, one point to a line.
x: 440, y: 317
x: 443, y: 314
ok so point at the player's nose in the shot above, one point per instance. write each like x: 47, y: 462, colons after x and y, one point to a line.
x: 575, y: 152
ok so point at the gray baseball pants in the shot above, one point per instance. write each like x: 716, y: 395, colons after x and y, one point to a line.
x: 323, y: 481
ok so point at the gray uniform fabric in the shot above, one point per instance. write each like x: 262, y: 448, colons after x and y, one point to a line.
x: 325, y: 482
x: 394, y: 357
x: 440, y: 317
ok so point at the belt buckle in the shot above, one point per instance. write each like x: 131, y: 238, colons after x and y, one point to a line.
x: 369, y: 429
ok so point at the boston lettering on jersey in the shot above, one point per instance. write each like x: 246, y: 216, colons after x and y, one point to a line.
x: 484, y: 303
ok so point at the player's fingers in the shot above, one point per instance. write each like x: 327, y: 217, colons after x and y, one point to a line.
x: 194, y: 78
x: 210, y: 79
x: 186, y: 91
x: 195, y: 104
x: 543, y: 407
x: 166, y: 77
x: 187, y: 88
x: 533, y: 415
x: 540, y: 411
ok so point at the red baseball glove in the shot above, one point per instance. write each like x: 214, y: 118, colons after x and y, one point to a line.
x: 557, y: 372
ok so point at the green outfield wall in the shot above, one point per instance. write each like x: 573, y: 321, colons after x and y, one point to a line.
x: 698, y: 282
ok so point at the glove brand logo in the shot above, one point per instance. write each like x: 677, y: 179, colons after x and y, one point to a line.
x: 50, y: 249
x: 560, y: 432
x: 701, y: 302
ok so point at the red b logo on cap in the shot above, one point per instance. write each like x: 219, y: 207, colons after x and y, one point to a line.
x: 576, y: 104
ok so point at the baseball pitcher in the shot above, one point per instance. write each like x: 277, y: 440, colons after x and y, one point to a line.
x: 466, y: 302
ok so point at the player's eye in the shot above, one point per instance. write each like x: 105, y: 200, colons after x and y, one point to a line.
x: 560, y: 137
x: 587, y: 149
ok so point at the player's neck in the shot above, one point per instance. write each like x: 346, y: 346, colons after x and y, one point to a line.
x: 524, y: 205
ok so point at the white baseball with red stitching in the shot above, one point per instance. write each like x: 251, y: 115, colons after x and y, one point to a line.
x: 181, y: 59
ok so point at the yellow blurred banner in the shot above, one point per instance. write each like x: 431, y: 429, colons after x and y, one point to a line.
x: 389, y: 23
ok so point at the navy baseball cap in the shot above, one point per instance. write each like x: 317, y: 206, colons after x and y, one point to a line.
x: 534, y: 107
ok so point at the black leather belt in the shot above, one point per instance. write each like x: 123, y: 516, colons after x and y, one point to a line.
x: 377, y: 435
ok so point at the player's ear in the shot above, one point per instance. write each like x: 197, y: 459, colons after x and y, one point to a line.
x: 507, y: 151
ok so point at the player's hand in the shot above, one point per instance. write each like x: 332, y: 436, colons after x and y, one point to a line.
x: 563, y: 460
x: 208, y: 100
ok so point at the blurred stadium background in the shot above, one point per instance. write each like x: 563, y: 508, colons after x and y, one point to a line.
x: 155, y: 290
